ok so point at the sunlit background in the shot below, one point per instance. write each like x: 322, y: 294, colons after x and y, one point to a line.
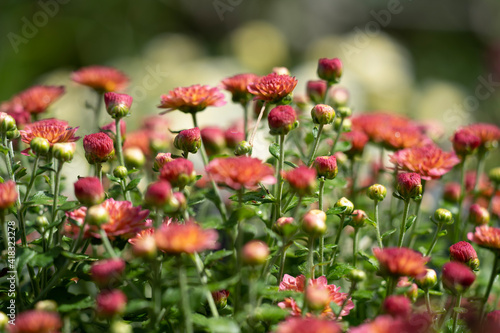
x: 437, y: 61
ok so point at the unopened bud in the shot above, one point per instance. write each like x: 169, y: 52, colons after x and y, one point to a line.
x: 326, y: 166
x: 97, y: 215
x: 41, y: 222
x: 8, y: 123
x: 285, y: 226
x: 330, y: 69
x: 40, y: 146
x: 134, y: 158
x: 409, y: 186
x: 120, y: 172
x: 14, y: 134
x: 282, y: 119
x: 64, y: 152
x: 117, y: 105
x: 46, y: 305
x: 189, y: 141
x: 494, y: 175
x: 119, y: 326
x: 255, y: 253
x: 478, y: 215
x: 346, y: 124
x: 339, y: 97
x: 314, y: 222
x: 346, y: 204
x: 358, y: 218
x: 243, y: 148
x: 376, y: 192
x: 4, y: 320
x: 322, y: 114
x: 427, y: 280
x: 357, y: 275
x: 344, y: 112
x: 317, y: 297
x: 442, y: 215
x: 220, y: 298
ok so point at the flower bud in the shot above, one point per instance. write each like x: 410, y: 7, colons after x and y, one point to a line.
x: 7, y: 123
x: 326, y: 166
x: 8, y: 195
x: 494, y: 175
x: 317, y: 297
x: 322, y: 114
x: 40, y: 146
x: 243, y: 148
x: 465, y: 142
x: 330, y: 69
x: 159, y: 194
x: 281, y: 70
x: 220, y: 298
x: 339, y: 97
x: 46, y: 305
x: 376, y: 192
x: 344, y: 112
x: 316, y: 91
x: 108, y: 272
x: 179, y: 173
x: 117, y: 105
x: 409, y: 186
x: 161, y: 159
x: 134, y: 158
x: 255, y: 253
x: 120, y: 172
x: 457, y: 277
x: 233, y: 136
x: 282, y: 119
x: 214, y: 140
x: 182, y: 203
x: 189, y: 141
x: 452, y: 192
x: 442, y: 215
x: 478, y: 215
x: 346, y: 124
x: 464, y: 253
x: 284, y: 226
x: 427, y: 280
x: 97, y: 215
x: 4, y: 321
x: 314, y: 222
x: 411, y: 288
x: 356, y: 275
x: 397, y: 306
x: 119, y: 326
x: 64, y: 152
x: 99, y: 148
x: 14, y: 134
x: 145, y: 246
x: 358, y: 218
x: 41, y: 222
x: 89, y: 191
x: 110, y: 303
x: 302, y: 180
x: 346, y: 204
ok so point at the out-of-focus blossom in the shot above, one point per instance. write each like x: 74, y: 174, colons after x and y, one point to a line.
x: 400, y: 261
x: 457, y: 277
x: 465, y: 142
x: 397, y: 306
x: 36, y: 321
x: 237, y: 85
x: 402, y: 137
x: 486, y: 236
x: 489, y: 134
x: 377, y: 124
x: 89, y: 191
x: 191, y: 99
x: 37, y: 99
x: 110, y: 303
x: 179, y: 172
x: 8, y: 194
x: 213, y: 139
x: 301, y: 179
x: 282, y: 119
x: 185, y: 238
x: 105, y: 273
x: 358, y: 141
x: 101, y: 78
x: 308, y: 325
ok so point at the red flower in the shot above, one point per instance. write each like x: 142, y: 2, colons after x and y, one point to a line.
x: 429, y: 161
x: 179, y: 172
x: 191, y: 99
x: 124, y: 219
x: 416, y: 323
x: 240, y: 172
x: 89, y: 191
x: 37, y: 99
x: 401, y: 137
x: 397, y: 306
x: 110, y: 303
x: 159, y: 194
x: 486, y: 236
x: 298, y: 283
x: 8, y: 194
x: 117, y: 105
x: 400, y: 261
x: 489, y: 134
x: 301, y: 179
x: 308, y: 325
x: 457, y: 277
x: 330, y: 69
x: 377, y: 124
x: 272, y: 88
x: 358, y: 141
x: 99, y: 148
x: 465, y: 142
x: 409, y: 185
x: 107, y: 272
x: 326, y: 166
x: 54, y: 130
x: 464, y: 252
x: 237, y: 85
x: 282, y: 119
x: 36, y: 321
x: 101, y: 78
x: 185, y: 238
x: 316, y: 91
x: 188, y: 140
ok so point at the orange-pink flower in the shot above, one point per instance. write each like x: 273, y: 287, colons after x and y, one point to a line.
x: 488, y: 134
x: 240, y: 172
x: 8, y: 194
x: 125, y: 220
x: 237, y: 85
x: 101, y: 78
x: 377, y: 124
x: 273, y: 87
x: 54, y: 130
x: 37, y: 99
x: 36, y: 321
x: 185, y: 238
x: 401, y: 137
x: 415, y: 323
x: 308, y: 325
x: 400, y: 261
x: 429, y: 161
x: 297, y: 284
x: 486, y: 236
x: 192, y: 99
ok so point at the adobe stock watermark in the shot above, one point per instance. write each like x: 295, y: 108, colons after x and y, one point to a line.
x: 459, y: 113
x: 223, y: 6
x: 153, y: 78
x: 12, y: 272
x: 31, y: 26
x: 362, y: 38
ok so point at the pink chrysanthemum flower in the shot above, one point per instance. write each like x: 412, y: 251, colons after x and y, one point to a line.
x: 297, y: 284
x: 401, y: 137
x: 185, y: 238
x: 486, y: 236
x: 99, y: 148
x: 358, y: 140
x: 240, y: 172
x: 377, y: 124
x: 101, y: 78
x: 301, y: 179
x: 37, y: 99
x: 105, y: 273
x: 124, y: 220
x: 54, y: 130
x: 237, y: 85
x: 400, y: 261
x: 191, y: 99
x: 110, y: 303
x: 429, y: 161
x: 308, y: 325
x: 488, y: 134
x: 36, y: 321
x: 8, y: 194
x: 272, y: 88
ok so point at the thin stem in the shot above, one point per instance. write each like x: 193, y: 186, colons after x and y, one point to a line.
x: 494, y: 273
x: 119, y: 148
x: 315, y: 146
x: 282, y: 261
x: 458, y: 220
x: 107, y: 244
x: 80, y: 237
x: 280, y: 178
x: 156, y: 294
x: 428, y: 301
x: 98, y: 171
x: 245, y: 119
x: 355, y: 247
x: 377, y: 226
x: 434, y: 239
x: 322, y: 238
x: 54, y: 202
x: 339, y: 132
x: 328, y: 86
x: 456, y: 313
x: 479, y: 171
x: 186, y: 309
x: 52, y: 282
x: 256, y: 126
x: 97, y: 110
x: 32, y: 179
x: 352, y: 190
x: 238, y: 247
x: 391, y: 283
x: 403, y: 223
x: 5, y: 229
x: 203, y: 279
x: 337, y: 239
x: 309, y: 270
x: 413, y: 236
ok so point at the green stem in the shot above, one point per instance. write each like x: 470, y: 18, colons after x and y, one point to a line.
x: 403, y: 223
x: 158, y: 218
x: 494, y: 273
x: 245, y: 119
x: 97, y: 110
x: 458, y: 220
x: 456, y: 313
x: 434, y: 239
x: 54, y: 202
x: 479, y: 171
x: 279, y: 185
x: 238, y: 247
x: 32, y: 179
x: 413, y: 236
x: 53, y: 281
x: 156, y: 294
x: 119, y: 148
x: 337, y: 239
x: 322, y: 239
x: 315, y: 146
x: 80, y: 237
x: 98, y: 171
x: 289, y: 201
x: 186, y: 310
x: 107, y: 244
x: 377, y: 226
x: 309, y: 271
x: 355, y: 248
x: 203, y: 279
x: 282, y: 261
x: 391, y: 284
x: 5, y: 229
x: 428, y: 301
x: 339, y: 132
x: 256, y: 126
x: 328, y: 86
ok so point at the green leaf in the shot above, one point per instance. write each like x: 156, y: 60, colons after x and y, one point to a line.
x: 371, y: 222
x: 435, y: 293
x: 238, y: 215
x: 315, y: 132
x: 442, y: 233
x: 76, y: 303
x: 133, y: 184
x: 362, y: 294
x: 69, y: 205
x: 223, y: 325
x: 336, y: 210
x: 24, y: 256
x: 305, y: 201
x: 4, y: 149
x: 343, y: 146
x: 388, y: 233
x: 293, y: 165
x: 409, y: 221
x: 255, y: 198
x: 338, y: 271
x: 20, y: 173
x: 47, y: 258
x: 199, y: 320
x: 268, y: 312
x: 45, y: 198
x: 76, y: 257
x: 274, y: 149
x: 370, y: 259
x: 217, y: 255
x: 136, y: 305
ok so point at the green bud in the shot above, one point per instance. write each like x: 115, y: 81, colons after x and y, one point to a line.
x: 243, y: 148
x: 40, y: 146
x: 494, y: 175
x: 41, y: 222
x: 134, y: 158
x: 376, y: 192
x: 442, y: 215
x: 346, y: 124
x: 4, y: 320
x: 120, y: 172
x: 46, y: 305
x: 119, y: 326
x: 97, y: 215
x: 345, y: 203
x: 357, y: 275
x: 8, y: 124
x: 428, y: 280
x: 14, y: 134
x: 344, y: 112
x: 314, y: 222
x: 64, y: 152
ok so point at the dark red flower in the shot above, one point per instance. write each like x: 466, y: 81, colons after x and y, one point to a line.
x: 110, y: 303
x: 282, y: 119
x: 301, y: 179
x: 179, y: 172
x: 89, y: 191
x: 465, y: 142
x: 397, y: 306
x: 105, y: 273
x: 330, y: 69
x: 464, y: 252
x: 457, y: 277
x: 99, y: 148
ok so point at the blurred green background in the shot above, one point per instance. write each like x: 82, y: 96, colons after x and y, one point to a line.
x: 429, y: 59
